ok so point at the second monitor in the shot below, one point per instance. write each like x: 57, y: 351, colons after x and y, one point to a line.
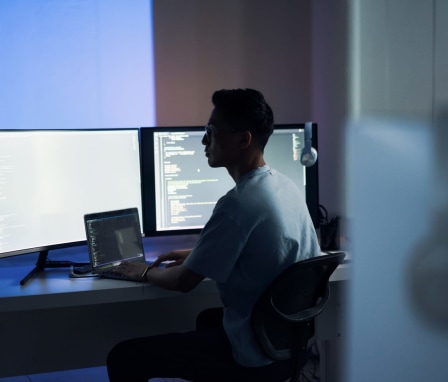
x: 180, y: 190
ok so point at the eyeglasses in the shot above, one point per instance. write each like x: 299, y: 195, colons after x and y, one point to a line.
x: 210, y: 129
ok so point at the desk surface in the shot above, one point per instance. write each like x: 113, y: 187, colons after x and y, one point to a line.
x: 54, y: 288
x: 39, y: 319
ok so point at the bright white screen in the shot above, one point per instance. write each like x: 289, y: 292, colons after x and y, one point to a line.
x: 50, y: 179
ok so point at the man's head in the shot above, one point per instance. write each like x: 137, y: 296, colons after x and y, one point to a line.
x: 246, y: 109
x: 238, y: 129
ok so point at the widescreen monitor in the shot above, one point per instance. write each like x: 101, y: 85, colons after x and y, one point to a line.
x: 180, y: 190
x: 50, y: 178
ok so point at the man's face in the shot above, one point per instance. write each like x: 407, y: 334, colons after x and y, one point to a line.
x: 221, y: 142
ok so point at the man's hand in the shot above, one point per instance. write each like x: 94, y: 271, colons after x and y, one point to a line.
x: 135, y: 271
x: 132, y: 270
x: 176, y: 257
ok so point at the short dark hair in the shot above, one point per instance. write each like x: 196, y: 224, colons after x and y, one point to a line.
x: 246, y: 109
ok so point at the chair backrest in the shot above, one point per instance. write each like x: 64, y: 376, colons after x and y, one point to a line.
x: 283, y: 316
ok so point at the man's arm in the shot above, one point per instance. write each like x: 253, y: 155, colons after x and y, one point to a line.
x: 174, y: 276
x: 177, y: 277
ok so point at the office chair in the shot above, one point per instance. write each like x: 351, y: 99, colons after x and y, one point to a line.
x: 283, y: 317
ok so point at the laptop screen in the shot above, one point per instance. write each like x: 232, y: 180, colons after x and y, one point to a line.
x: 112, y: 237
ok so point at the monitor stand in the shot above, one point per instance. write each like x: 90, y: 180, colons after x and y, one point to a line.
x: 43, y: 262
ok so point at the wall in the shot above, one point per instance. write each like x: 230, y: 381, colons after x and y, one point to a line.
x: 440, y: 55
x: 398, y: 317
x: 393, y: 58
x: 294, y: 51
x: 330, y: 96
x: 75, y: 64
x: 205, y: 45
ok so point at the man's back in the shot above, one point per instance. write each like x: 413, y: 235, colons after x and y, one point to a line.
x: 256, y: 231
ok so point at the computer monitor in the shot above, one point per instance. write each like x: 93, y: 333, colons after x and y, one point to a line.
x: 180, y: 189
x: 50, y: 178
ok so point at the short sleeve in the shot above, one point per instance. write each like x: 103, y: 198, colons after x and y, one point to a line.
x: 219, y: 245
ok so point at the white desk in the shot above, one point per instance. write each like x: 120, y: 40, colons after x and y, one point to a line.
x: 57, y: 323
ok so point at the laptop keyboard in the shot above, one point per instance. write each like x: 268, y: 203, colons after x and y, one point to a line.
x: 115, y: 275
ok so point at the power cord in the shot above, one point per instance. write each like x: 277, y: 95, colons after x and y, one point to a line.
x: 329, y: 231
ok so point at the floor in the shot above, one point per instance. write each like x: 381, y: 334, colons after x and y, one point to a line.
x: 94, y: 374
x: 97, y: 374
x: 310, y: 373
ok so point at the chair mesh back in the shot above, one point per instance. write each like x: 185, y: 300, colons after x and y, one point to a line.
x: 298, y: 288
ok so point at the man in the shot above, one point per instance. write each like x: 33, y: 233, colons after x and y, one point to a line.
x: 256, y: 231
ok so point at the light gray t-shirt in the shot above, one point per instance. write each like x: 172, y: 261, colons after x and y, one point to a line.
x: 256, y: 231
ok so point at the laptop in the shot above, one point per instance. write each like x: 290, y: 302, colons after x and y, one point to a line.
x: 113, y: 237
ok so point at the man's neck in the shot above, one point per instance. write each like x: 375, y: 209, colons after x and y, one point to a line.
x: 241, y: 169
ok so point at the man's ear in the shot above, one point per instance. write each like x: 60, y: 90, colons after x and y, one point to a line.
x: 246, y: 139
